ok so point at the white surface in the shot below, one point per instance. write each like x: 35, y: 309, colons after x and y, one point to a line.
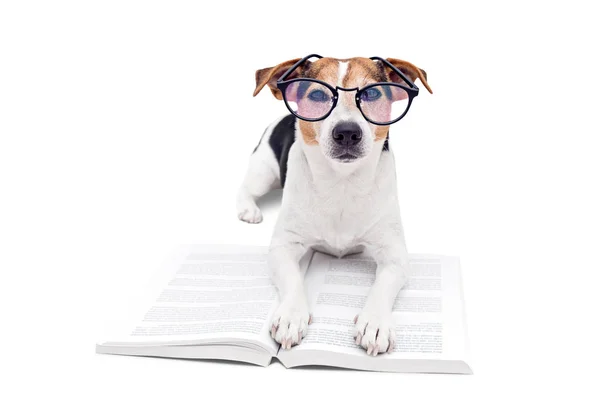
x: 125, y: 129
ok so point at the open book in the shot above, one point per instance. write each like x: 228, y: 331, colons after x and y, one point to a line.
x: 215, y: 302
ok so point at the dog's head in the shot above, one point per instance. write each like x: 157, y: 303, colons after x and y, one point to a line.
x: 344, y: 136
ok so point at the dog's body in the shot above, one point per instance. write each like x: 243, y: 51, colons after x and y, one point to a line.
x: 340, y: 197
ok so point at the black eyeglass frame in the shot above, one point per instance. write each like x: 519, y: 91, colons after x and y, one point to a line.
x: 412, y: 90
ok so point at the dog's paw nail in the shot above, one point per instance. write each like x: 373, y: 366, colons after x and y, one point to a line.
x: 291, y: 323
x: 309, y: 319
x: 374, y: 332
x: 355, y: 319
x: 390, y: 348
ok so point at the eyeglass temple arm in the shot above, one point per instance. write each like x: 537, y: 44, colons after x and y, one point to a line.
x: 293, y: 67
x: 396, y: 70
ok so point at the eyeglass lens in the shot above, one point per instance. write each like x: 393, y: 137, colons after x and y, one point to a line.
x: 309, y: 99
x: 383, y: 103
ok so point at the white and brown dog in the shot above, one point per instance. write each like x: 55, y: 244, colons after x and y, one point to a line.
x: 340, y: 194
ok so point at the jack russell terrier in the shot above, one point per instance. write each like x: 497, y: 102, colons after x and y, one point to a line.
x: 340, y: 197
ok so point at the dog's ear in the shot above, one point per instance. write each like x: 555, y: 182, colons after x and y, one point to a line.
x: 408, y: 69
x: 269, y: 76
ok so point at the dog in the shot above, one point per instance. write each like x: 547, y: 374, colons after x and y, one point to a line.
x: 340, y: 194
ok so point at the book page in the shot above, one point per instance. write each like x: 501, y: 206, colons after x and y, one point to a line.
x: 207, y: 295
x: 428, y: 311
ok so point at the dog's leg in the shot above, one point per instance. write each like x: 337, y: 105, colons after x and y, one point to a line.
x: 290, y: 321
x: 374, y: 327
x: 262, y: 176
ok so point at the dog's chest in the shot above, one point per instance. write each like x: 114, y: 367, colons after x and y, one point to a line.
x: 338, y: 219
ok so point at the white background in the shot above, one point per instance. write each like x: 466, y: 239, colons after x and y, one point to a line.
x: 126, y: 127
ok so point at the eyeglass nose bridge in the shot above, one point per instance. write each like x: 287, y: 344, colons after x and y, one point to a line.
x: 347, y: 89
x: 338, y: 88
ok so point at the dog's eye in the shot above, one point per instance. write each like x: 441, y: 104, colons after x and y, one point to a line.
x: 370, y: 94
x: 318, y: 95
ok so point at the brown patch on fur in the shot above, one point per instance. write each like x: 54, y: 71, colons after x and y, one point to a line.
x: 309, y: 133
x: 362, y: 71
x: 324, y: 69
x: 408, y: 69
x: 269, y: 76
x: 381, y: 132
x: 359, y: 73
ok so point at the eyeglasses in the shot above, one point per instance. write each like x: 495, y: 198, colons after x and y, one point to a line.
x: 381, y: 103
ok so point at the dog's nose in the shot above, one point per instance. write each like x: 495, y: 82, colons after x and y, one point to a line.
x: 347, y: 133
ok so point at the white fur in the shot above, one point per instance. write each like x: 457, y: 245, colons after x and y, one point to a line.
x: 342, y: 69
x: 338, y: 208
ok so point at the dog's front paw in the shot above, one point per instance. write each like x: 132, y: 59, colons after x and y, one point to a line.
x: 290, y: 322
x: 375, y: 332
x: 249, y: 212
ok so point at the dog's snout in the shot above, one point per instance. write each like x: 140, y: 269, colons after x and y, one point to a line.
x: 347, y: 133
